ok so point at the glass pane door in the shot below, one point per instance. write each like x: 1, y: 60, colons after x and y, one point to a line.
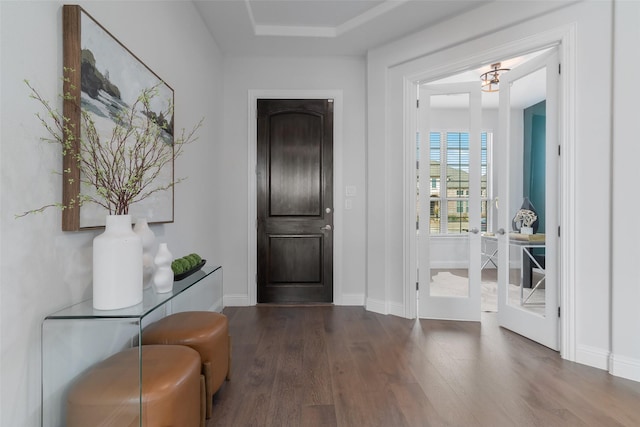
x: 449, y: 156
x: 527, y: 250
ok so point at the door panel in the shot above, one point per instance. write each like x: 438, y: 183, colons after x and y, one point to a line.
x: 449, y: 207
x: 527, y: 263
x: 295, y: 185
x: 295, y: 201
x: 295, y: 259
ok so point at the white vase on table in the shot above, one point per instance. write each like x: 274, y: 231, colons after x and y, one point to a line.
x: 117, y: 265
x: 163, y: 276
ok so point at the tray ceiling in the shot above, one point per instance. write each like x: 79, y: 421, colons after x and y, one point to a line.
x: 320, y: 27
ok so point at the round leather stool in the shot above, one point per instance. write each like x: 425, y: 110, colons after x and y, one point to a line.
x: 108, y: 394
x: 206, y: 332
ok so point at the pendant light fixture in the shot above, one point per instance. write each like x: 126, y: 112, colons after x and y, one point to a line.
x: 491, y: 79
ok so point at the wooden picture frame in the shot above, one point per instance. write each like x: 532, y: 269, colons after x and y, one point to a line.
x: 89, y: 50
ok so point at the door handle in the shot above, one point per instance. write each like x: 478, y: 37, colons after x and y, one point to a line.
x: 500, y: 231
x: 474, y: 231
x: 326, y: 227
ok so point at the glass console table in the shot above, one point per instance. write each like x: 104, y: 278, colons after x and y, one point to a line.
x: 77, y: 337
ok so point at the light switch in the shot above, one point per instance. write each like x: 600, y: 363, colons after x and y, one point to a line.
x: 350, y: 191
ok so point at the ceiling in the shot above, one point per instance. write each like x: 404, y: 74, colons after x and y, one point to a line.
x: 320, y: 27
x: 337, y: 27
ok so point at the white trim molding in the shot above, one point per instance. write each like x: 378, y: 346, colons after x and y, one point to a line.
x: 625, y: 367
x: 385, y: 307
x: 236, y: 301
x: 353, y: 299
x: 376, y: 306
x: 322, y: 31
x: 252, y: 126
x: 592, y: 356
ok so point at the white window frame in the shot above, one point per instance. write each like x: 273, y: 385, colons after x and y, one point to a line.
x: 444, y: 199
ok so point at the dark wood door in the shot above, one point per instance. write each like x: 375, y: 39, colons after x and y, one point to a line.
x: 295, y: 200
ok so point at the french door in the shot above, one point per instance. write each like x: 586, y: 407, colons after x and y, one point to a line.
x: 449, y: 204
x: 527, y: 263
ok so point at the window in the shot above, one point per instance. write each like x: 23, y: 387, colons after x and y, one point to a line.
x: 449, y: 177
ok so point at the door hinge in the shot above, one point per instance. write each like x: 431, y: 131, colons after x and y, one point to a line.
x: 417, y: 103
x: 558, y: 311
x: 417, y: 286
x: 558, y: 231
x: 559, y: 68
x: 558, y: 150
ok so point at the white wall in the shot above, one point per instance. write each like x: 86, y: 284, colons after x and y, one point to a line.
x: 625, y: 358
x: 242, y: 74
x: 453, y: 44
x: 42, y: 268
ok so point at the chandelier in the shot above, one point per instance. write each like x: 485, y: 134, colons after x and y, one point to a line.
x: 491, y: 79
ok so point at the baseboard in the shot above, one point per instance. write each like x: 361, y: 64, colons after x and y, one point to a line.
x: 625, y: 367
x: 377, y: 306
x: 592, y: 356
x: 352, y: 299
x: 236, y: 300
x: 396, y: 309
x: 384, y: 307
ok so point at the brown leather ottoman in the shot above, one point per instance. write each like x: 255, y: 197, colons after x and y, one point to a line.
x: 108, y: 394
x: 206, y: 332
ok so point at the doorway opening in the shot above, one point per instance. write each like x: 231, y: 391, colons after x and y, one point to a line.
x: 472, y: 255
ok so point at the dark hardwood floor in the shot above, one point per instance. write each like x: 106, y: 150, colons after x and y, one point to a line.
x: 344, y: 366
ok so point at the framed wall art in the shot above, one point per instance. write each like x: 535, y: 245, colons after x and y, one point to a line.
x: 107, y: 79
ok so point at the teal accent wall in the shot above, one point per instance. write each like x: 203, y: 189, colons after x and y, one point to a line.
x: 534, y: 161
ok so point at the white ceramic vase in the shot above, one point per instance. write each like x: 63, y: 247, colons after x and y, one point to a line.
x: 148, y: 238
x: 117, y: 265
x: 526, y: 230
x: 163, y: 276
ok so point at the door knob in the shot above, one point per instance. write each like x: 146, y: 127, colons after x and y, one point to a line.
x: 474, y: 231
x: 500, y: 231
x: 326, y: 227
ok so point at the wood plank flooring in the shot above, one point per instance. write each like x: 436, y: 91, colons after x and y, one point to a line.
x: 344, y: 366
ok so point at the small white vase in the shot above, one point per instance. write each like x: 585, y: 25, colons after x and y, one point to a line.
x: 148, y: 238
x: 163, y: 276
x: 117, y: 265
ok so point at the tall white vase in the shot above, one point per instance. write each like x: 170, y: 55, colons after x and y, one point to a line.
x: 117, y: 265
x: 163, y: 276
x: 148, y: 250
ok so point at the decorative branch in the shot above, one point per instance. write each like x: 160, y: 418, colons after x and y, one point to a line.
x: 122, y: 170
